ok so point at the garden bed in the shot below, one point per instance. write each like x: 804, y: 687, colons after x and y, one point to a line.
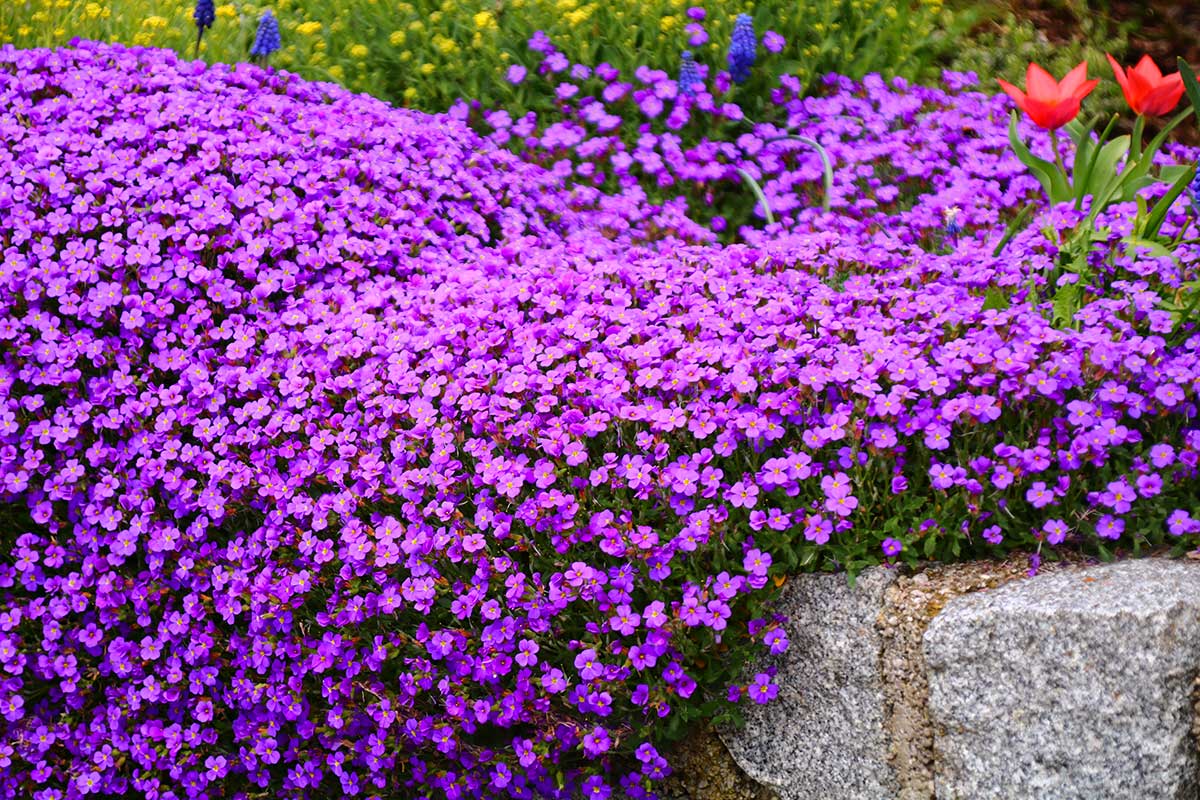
x: 346, y: 448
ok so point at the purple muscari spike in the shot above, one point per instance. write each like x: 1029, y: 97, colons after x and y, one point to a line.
x: 689, y: 74
x: 741, y: 48
x: 266, y: 39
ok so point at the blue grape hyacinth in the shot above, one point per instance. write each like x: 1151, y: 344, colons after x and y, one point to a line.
x: 204, y: 15
x: 1193, y: 191
x: 741, y: 48
x: 689, y: 74
x: 266, y: 38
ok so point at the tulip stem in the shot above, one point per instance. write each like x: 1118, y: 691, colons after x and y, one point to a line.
x: 1058, y: 159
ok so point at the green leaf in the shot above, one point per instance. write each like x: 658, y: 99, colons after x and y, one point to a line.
x: 1017, y: 223
x: 1145, y: 159
x: 758, y: 194
x: 1190, y: 85
x: 1155, y: 220
x: 1104, y: 181
x: 1053, y: 181
x: 995, y: 300
x: 1066, y: 303
x: 1157, y: 250
x: 1087, y: 154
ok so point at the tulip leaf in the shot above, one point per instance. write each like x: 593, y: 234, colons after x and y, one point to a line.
x: 758, y: 194
x: 826, y: 166
x: 1048, y: 174
x: 1191, y: 85
x: 1159, y: 213
x: 1086, y: 154
x: 1017, y: 223
x: 1104, y: 181
x: 1145, y: 159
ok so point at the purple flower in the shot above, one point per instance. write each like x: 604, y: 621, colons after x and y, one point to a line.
x: 516, y: 73
x: 1110, y: 527
x: 1055, y: 530
x: 773, y: 42
x: 892, y: 547
x: 761, y: 689
x: 741, y: 48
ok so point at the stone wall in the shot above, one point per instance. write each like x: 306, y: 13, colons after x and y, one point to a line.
x: 975, y: 681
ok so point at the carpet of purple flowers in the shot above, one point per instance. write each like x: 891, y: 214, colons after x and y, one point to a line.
x: 345, y: 451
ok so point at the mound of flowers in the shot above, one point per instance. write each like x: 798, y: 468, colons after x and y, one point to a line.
x: 344, y: 452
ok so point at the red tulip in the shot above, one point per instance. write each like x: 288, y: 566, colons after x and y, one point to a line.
x: 1051, y: 104
x: 1145, y: 88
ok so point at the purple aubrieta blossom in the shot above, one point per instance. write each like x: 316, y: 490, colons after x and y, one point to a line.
x: 697, y: 13
x: 742, y: 48
x: 891, y: 547
x: 220, y: 370
x: 1193, y: 192
x: 773, y: 42
x: 1110, y: 527
x: 762, y: 689
x: 1055, y: 531
x: 266, y: 37
x: 1180, y: 523
x: 696, y: 35
x: 516, y: 73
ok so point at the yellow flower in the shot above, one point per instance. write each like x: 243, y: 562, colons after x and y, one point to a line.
x: 397, y: 38
x: 406, y: 55
x: 416, y: 26
x: 485, y: 21
x: 337, y: 72
x: 668, y: 23
x: 227, y: 11
x: 410, y: 94
x: 427, y: 68
x: 446, y: 45
x: 308, y: 28
x: 359, y: 51
x: 142, y: 38
x: 92, y: 10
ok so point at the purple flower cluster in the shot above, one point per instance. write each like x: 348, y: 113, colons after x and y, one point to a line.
x: 344, y: 452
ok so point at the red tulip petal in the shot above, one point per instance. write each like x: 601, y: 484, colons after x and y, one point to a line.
x: 1164, y: 97
x: 1122, y: 80
x: 1148, y: 69
x: 1084, y: 90
x: 1074, y: 79
x: 1012, y: 91
x: 1052, y: 115
x: 1040, y: 84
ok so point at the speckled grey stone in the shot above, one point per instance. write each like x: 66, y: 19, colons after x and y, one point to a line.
x: 823, y: 738
x: 1072, y: 685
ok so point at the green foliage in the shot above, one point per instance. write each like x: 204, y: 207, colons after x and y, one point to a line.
x: 428, y: 53
x: 1002, y: 46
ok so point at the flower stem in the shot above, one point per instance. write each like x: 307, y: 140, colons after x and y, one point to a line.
x: 1058, y: 159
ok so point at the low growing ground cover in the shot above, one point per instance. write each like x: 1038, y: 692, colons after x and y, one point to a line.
x: 347, y: 451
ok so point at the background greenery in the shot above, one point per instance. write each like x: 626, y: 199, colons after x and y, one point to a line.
x: 427, y: 53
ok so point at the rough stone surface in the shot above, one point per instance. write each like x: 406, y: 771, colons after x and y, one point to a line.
x: 704, y: 770
x: 1069, y: 685
x: 824, y: 736
x: 910, y: 603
